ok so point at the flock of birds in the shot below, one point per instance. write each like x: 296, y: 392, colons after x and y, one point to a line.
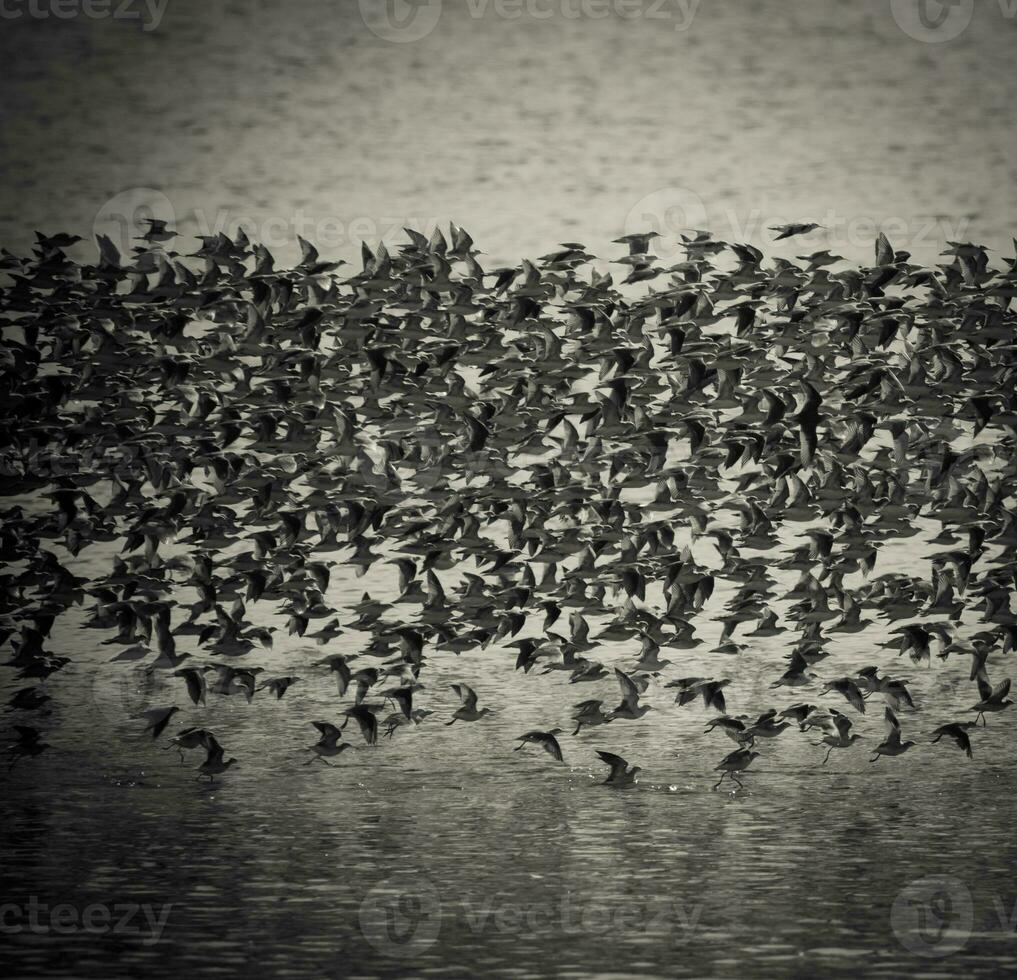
x: 540, y: 453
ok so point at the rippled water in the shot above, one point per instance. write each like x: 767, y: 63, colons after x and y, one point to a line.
x: 526, y: 130
x: 503, y: 862
x: 494, y: 861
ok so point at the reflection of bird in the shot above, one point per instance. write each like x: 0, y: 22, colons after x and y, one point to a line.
x: 28, y: 699
x: 622, y: 774
x: 546, y: 740
x: 28, y: 745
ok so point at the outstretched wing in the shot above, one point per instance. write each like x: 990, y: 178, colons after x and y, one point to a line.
x: 842, y: 722
x: 327, y: 729
x: 616, y: 762
x: 466, y: 694
x: 628, y: 687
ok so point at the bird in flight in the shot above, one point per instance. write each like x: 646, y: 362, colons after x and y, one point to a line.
x: 622, y: 774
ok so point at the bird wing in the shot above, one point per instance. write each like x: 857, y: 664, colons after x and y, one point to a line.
x: 403, y: 696
x: 328, y: 730
x: 628, y: 687
x: 618, y: 765
x: 843, y: 724
x: 854, y: 696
